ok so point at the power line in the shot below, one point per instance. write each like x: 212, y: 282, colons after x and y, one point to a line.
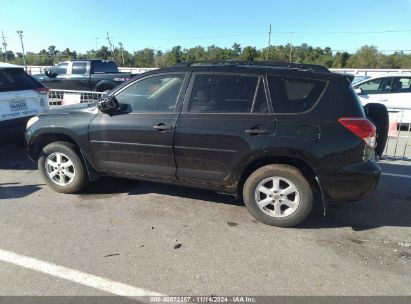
x: 345, y: 32
x: 277, y: 33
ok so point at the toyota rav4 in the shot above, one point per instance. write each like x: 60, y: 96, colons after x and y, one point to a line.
x: 272, y: 134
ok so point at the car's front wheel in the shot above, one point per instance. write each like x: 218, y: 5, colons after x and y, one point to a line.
x: 62, y: 168
x: 278, y: 195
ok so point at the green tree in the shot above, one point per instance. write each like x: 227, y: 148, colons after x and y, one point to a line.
x: 174, y: 56
x: 366, y: 57
x: 215, y: 53
x: 10, y: 55
x: 197, y: 53
x: 236, y: 49
x: 144, y: 58
x: 340, y: 60
x: 103, y: 53
x: 249, y: 53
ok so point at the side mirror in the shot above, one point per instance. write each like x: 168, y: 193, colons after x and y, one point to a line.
x: 50, y: 73
x: 108, y: 104
x: 358, y: 91
x: 47, y: 72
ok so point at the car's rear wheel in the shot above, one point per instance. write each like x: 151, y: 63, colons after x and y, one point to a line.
x: 278, y: 195
x: 62, y: 168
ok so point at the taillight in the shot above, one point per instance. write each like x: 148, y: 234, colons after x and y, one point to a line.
x: 362, y: 128
x: 42, y: 90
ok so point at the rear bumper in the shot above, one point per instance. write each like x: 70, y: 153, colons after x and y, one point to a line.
x: 352, y: 182
x: 12, y: 130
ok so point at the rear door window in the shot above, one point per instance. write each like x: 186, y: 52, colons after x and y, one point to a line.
x: 224, y: 94
x: 79, y: 68
x: 294, y: 95
x: 401, y: 85
x: 15, y: 80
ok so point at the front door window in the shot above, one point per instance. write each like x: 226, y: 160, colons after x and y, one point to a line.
x: 153, y: 94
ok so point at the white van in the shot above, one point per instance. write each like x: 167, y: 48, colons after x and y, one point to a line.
x: 21, y: 97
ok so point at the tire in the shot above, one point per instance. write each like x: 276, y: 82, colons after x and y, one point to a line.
x: 279, y: 213
x: 378, y: 114
x: 69, y: 178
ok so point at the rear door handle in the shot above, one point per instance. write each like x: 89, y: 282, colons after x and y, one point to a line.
x: 256, y: 131
x: 383, y: 99
x: 162, y: 127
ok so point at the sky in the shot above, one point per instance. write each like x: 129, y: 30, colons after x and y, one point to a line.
x: 161, y: 24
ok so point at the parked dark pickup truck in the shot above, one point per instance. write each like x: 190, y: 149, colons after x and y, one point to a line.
x: 83, y: 75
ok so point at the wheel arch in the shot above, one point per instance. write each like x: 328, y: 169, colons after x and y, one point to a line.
x: 41, y: 140
x: 302, y: 165
x: 298, y: 163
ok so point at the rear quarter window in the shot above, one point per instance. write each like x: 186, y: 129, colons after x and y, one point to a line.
x: 15, y: 80
x: 294, y: 95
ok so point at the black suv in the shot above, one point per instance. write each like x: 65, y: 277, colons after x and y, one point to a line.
x: 273, y: 134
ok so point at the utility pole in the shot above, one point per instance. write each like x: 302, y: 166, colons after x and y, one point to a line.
x: 96, y: 43
x: 269, y: 43
x: 122, y: 51
x: 20, y: 33
x: 155, y: 57
x: 4, y: 45
x: 111, y: 47
x: 291, y: 48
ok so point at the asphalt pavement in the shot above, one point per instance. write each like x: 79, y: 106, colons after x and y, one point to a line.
x: 155, y: 238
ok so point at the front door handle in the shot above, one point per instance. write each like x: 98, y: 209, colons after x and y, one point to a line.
x: 162, y: 127
x: 256, y: 131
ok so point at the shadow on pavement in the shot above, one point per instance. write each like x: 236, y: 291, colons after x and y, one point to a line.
x: 15, y: 190
x: 389, y: 205
x: 14, y: 157
x: 110, y: 185
x: 400, y: 167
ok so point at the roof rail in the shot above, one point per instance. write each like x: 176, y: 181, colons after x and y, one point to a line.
x: 290, y: 65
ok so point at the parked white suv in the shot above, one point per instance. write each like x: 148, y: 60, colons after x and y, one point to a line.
x: 393, y: 90
x: 21, y: 97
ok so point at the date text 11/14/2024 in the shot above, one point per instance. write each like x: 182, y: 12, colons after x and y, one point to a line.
x: 203, y: 299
